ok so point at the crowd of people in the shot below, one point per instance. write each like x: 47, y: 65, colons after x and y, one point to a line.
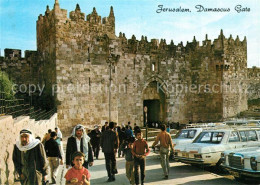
x: 31, y: 154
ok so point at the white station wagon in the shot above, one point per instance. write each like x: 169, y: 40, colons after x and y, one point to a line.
x: 242, y: 162
x: 206, y: 149
x: 186, y: 136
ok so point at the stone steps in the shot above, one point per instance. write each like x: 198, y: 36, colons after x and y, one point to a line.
x: 250, y: 114
x: 153, y: 132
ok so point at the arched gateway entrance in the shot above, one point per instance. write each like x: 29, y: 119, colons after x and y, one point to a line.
x: 154, y: 103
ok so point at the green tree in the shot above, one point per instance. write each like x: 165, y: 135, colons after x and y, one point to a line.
x: 6, y: 86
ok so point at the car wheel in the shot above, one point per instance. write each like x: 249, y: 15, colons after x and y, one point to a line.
x: 195, y: 165
x: 240, y: 178
x: 219, y: 168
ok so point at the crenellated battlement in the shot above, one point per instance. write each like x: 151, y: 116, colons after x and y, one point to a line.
x: 16, y: 54
x: 92, y: 34
x: 21, y: 69
x: 254, y: 73
x: 12, y: 54
x: 219, y: 45
x: 82, y: 49
x: 92, y: 22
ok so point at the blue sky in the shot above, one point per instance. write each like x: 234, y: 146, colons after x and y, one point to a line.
x: 18, y: 20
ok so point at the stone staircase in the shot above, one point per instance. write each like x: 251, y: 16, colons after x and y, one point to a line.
x: 250, y: 114
x: 153, y: 132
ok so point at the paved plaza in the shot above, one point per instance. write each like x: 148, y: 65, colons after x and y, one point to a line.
x: 179, y: 174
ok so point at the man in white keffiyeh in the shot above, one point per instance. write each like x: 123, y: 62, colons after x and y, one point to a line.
x: 79, y: 141
x: 30, y: 159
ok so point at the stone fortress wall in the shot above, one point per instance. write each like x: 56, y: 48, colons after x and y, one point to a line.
x: 9, y: 133
x: 21, y: 70
x: 82, y: 47
x: 194, y: 82
x: 253, y: 83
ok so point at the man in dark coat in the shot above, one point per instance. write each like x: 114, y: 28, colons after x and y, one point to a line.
x: 95, y: 140
x: 29, y: 159
x: 104, y: 127
x: 109, y: 144
x: 79, y: 141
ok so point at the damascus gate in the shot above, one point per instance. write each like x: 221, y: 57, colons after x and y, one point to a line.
x: 93, y: 75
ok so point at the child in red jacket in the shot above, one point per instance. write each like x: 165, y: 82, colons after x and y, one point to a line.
x: 78, y: 174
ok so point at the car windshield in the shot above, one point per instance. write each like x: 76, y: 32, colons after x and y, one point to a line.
x: 210, y: 137
x: 186, y: 134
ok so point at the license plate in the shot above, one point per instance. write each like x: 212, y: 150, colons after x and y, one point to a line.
x: 235, y: 174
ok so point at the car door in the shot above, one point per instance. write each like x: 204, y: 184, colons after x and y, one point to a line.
x: 234, y: 141
x: 252, y: 139
x: 243, y: 138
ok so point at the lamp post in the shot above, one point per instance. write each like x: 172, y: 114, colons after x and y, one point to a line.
x: 111, y: 60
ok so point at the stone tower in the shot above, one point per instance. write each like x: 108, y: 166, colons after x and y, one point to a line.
x: 176, y: 82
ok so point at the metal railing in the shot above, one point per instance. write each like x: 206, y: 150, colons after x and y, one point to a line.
x: 42, y: 114
x: 14, y: 107
x: 46, y: 114
x: 18, y: 107
x: 2, y: 104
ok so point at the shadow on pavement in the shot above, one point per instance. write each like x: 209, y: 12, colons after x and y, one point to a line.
x: 179, y: 174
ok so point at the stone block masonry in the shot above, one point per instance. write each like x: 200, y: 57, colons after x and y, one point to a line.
x: 81, y: 48
x: 253, y: 83
x: 21, y: 70
x: 177, y: 83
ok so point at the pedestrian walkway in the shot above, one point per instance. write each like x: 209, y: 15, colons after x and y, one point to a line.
x: 179, y: 173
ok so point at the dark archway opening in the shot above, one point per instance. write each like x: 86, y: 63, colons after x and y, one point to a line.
x: 153, y: 111
x: 154, y: 101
